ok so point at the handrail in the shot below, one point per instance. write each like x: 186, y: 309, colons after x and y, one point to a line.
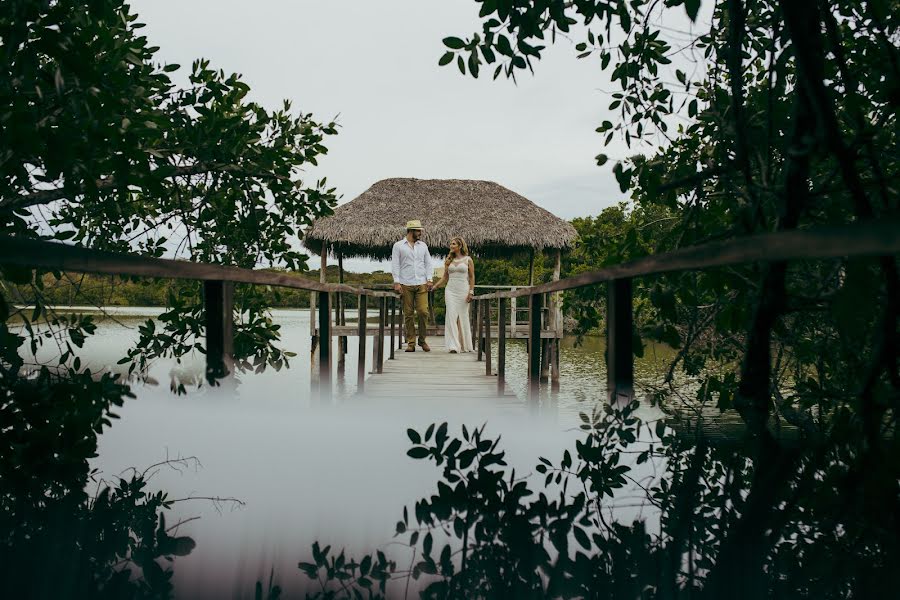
x: 871, y: 238
x: 54, y: 255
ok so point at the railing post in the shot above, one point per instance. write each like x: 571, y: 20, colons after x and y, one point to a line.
x: 432, y: 319
x: 401, y: 326
x: 479, y: 341
x: 534, y: 347
x: 325, y: 346
x: 487, y: 337
x: 555, y: 344
x: 393, y: 324
x: 501, y: 347
x: 619, y: 331
x: 512, y: 316
x: 361, y: 332
x: 219, y: 304
x: 382, y: 317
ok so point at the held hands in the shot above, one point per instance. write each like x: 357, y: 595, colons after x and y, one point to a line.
x: 398, y: 288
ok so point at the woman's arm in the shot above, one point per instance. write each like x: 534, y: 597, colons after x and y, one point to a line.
x: 471, y: 280
x: 444, y: 279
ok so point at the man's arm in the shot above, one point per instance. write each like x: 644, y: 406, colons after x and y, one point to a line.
x: 395, y: 266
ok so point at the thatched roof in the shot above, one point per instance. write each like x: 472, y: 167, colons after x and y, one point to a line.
x: 492, y: 219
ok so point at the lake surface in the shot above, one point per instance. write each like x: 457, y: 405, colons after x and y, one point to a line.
x: 303, y: 470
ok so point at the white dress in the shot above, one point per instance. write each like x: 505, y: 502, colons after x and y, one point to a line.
x: 457, y: 331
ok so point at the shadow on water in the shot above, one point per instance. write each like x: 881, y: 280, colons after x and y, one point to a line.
x: 284, y: 496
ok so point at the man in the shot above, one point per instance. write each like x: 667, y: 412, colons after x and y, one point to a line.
x: 412, y: 270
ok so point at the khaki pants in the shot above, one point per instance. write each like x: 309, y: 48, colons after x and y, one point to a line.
x: 415, y: 307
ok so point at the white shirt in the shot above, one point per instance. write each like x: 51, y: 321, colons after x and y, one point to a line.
x: 411, y: 265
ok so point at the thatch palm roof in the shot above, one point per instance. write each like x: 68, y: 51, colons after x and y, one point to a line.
x: 492, y: 219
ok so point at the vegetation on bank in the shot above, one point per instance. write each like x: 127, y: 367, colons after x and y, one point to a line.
x: 79, y: 289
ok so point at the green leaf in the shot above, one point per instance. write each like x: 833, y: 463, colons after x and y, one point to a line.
x: 446, y: 59
x: 693, y: 8
x: 581, y: 537
x: 414, y: 436
x: 454, y: 43
x: 418, y: 452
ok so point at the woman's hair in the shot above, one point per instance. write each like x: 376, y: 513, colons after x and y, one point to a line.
x: 463, y: 250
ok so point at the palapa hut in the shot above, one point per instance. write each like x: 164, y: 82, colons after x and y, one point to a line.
x: 493, y: 220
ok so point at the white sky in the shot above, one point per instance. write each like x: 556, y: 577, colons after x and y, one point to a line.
x: 374, y: 63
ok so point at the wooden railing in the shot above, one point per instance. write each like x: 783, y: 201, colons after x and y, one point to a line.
x: 880, y: 238
x: 861, y: 239
x: 218, y: 295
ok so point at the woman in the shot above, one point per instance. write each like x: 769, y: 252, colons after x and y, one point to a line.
x: 459, y: 278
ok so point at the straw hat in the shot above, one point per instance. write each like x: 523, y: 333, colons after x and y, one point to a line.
x: 416, y: 224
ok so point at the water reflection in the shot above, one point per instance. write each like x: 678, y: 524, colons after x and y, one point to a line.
x: 642, y: 513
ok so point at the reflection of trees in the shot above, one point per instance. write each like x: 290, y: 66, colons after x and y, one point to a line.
x: 64, y: 533
x: 488, y: 533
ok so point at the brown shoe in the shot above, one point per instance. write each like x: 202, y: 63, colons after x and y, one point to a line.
x: 425, y: 346
x: 410, y: 348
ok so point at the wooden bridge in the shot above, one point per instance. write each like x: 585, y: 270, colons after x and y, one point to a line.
x: 470, y: 376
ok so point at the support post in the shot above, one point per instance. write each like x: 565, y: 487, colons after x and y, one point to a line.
x: 401, y: 326
x: 534, y: 348
x: 361, y: 332
x: 619, y: 354
x: 512, y: 316
x: 545, y: 360
x: 432, y: 319
x: 393, y: 324
x: 501, y: 347
x: 480, y: 329
x: 487, y: 337
x: 554, y: 363
x: 340, y: 317
x: 382, y: 314
x: 531, y: 269
x: 325, y: 346
x: 218, y: 298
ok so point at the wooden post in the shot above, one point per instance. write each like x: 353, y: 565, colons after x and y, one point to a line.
x: 501, y: 347
x: 619, y: 355
x: 534, y: 347
x: 512, y: 316
x: 218, y: 298
x: 531, y: 269
x: 361, y: 332
x: 325, y: 346
x: 382, y: 317
x: 340, y: 317
x: 393, y: 324
x: 432, y: 319
x: 487, y: 337
x: 545, y: 360
x: 401, y: 326
x: 479, y: 317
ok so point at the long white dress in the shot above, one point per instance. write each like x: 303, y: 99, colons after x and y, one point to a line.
x: 457, y: 331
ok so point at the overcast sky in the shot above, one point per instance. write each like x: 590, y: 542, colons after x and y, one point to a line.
x: 374, y: 63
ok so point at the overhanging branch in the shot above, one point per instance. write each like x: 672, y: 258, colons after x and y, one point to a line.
x: 111, y: 183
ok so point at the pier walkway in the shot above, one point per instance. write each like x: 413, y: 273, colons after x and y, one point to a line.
x: 436, y: 374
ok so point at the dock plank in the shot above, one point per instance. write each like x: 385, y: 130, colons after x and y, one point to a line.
x: 436, y: 374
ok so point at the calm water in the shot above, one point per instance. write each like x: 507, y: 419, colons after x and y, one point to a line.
x: 306, y: 471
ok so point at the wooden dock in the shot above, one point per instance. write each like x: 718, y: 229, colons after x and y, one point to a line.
x: 438, y: 375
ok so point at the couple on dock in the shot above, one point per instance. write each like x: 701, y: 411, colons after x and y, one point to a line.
x: 413, y: 271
